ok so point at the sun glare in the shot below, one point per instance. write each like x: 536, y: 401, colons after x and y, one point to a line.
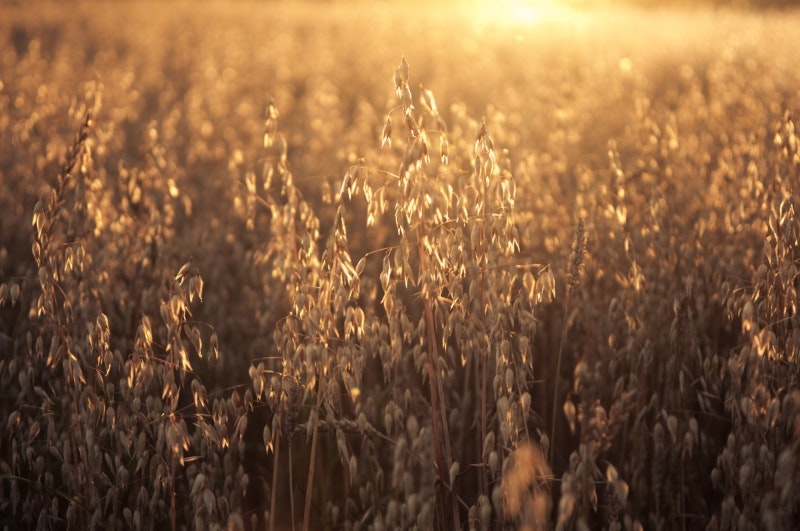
x: 518, y: 12
x: 521, y: 11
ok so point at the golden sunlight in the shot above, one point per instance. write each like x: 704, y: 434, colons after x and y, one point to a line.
x: 524, y: 12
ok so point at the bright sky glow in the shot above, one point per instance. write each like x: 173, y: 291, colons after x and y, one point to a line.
x: 520, y: 12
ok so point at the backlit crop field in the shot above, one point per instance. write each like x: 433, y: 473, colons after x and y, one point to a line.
x: 384, y: 266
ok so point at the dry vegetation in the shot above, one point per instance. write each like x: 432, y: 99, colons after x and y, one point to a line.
x: 253, y: 277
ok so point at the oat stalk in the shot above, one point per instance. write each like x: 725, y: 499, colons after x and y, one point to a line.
x: 574, y: 272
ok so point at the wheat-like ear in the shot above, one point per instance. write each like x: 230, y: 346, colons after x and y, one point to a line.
x: 574, y: 270
x: 576, y: 256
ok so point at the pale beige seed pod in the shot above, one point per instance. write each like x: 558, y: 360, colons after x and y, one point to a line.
x: 386, y: 134
x: 403, y: 70
x: 14, y: 293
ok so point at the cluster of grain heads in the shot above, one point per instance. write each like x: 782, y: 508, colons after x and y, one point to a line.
x: 103, y: 433
x: 450, y: 338
x: 397, y: 359
x: 473, y: 305
x: 758, y: 458
x: 319, y: 343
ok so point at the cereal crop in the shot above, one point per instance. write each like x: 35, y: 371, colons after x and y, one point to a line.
x: 349, y: 265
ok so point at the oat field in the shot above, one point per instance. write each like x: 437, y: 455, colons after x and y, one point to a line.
x: 378, y: 266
